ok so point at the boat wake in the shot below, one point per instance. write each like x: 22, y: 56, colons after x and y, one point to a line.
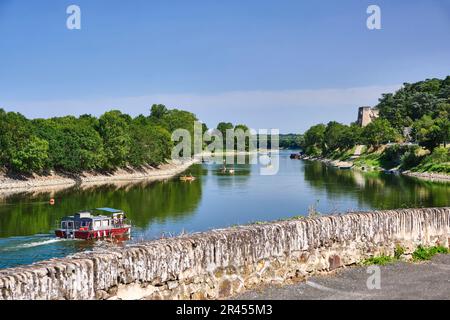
x: 11, y: 246
x: 38, y: 243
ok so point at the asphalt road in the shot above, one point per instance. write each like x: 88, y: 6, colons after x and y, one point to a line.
x: 426, y: 280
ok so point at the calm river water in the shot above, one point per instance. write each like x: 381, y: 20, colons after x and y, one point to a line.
x: 212, y: 201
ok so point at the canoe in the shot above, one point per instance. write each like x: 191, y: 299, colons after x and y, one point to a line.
x: 184, y: 178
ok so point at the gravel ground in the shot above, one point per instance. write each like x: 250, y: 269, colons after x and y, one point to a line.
x: 399, y: 281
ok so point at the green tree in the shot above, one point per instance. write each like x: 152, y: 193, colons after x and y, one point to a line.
x: 223, y: 127
x: 114, y: 130
x: 15, y: 132
x: 150, y: 144
x: 158, y: 111
x: 74, y: 144
x: 30, y: 156
x: 291, y: 141
x: 3, y: 139
x: 379, y: 132
x: 314, y: 139
x: 173, y: 119
x: 430, y: 132
x: 238, y: 130
x: 413, y: 101
x: 335, y: 136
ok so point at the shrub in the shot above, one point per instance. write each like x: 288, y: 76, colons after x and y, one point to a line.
x: 439, y: 155
x: 423, y: 253
x: 438, y: 161
x: 411, y: 159
x: 398, y: 252
x: 404, y: 156
x: 380, y: 260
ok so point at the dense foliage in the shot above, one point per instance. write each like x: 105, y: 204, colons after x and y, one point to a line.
x: 413, y: 101
x: 291, y: 141
x: 74, y: 144
x: 422, y: 109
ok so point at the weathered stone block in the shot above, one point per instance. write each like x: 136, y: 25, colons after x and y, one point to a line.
x: 335, y: 262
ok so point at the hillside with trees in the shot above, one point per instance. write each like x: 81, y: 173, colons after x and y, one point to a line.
x: 422, y: 108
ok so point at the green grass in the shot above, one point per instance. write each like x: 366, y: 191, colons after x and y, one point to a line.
x: 369, y: 160
x: 420, y: 254
x: 379, y: 260
x: 341, y: 155
x: 438, y: 161
x: 433, y: 167
x: 382, y: 260
x: 426, y: 253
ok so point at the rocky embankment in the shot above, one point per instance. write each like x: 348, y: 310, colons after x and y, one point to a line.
x: 334, y: 163
x: 430, y: 176
x: 13, y: 184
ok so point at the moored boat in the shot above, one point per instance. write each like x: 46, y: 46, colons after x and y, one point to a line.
x: 97, y: 223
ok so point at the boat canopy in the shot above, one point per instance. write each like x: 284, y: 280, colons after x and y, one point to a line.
x: 109, y: 210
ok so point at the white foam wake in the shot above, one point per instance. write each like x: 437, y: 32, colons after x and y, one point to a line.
x: 39, y: 243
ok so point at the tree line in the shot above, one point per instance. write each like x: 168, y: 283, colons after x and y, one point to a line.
x: 87, y: 143
x: 423, y: 107
x: 75, y: 144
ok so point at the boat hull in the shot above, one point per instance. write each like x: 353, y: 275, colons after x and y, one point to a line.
x: 94, y: 234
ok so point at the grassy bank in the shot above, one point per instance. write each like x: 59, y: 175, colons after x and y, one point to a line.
x: 408, y: 158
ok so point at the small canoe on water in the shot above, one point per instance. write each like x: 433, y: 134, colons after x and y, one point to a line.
x: 187, y: 178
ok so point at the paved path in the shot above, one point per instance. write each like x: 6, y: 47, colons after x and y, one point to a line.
x: 427, y: 280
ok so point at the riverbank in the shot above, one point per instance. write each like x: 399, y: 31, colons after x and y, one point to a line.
x: 18, y: 184
x: 426, y: 176
x: 429, y: 176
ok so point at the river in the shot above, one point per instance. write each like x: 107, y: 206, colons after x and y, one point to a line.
x: 214, y: 200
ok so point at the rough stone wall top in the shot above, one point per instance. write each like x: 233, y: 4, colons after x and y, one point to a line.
x: 178, y: 259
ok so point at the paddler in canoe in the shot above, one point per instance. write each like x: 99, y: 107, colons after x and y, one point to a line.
x: 190, y: 177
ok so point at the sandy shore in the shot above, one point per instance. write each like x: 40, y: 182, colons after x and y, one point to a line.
x: 57, y: 181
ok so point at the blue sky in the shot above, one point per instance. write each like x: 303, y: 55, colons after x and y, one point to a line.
x: 269, y: 64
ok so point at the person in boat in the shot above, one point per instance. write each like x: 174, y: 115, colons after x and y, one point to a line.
x: 224, y: 168
x: 189, y: 177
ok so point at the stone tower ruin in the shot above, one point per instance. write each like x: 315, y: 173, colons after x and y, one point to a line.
x: 366, y: 115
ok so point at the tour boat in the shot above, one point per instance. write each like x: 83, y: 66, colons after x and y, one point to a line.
x: 98, y: 223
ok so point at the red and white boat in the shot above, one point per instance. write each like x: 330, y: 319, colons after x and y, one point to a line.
x: 98, y: 223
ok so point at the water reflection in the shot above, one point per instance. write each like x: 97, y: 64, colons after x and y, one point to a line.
x: 214, y: 200
x: 144, y: 202
x: 376, y: 190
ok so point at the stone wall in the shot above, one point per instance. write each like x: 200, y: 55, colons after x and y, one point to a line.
x: 220, y: 263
